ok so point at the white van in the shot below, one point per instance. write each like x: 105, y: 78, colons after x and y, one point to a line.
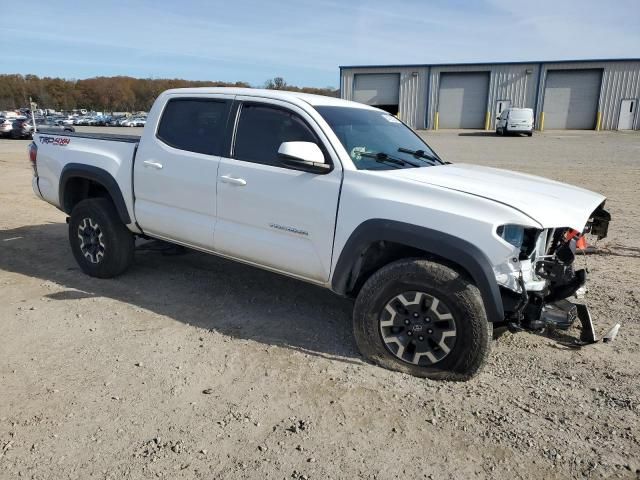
x: 515, y: 120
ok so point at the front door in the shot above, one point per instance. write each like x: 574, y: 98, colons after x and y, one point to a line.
x: 175, y: 170
x: 269, y: 214
x: 627, y: 114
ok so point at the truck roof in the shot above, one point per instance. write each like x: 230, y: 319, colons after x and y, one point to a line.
x: 309, y: 98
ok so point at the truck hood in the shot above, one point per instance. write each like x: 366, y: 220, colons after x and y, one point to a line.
x: 552, y: 204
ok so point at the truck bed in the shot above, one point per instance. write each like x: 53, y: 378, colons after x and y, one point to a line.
x: 110, y: 154
x: 112, y: 137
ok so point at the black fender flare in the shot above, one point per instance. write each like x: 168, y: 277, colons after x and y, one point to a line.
x: 450, y: 248
x: 98, y: 175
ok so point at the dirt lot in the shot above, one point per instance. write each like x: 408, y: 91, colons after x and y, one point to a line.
x: 105, y: 378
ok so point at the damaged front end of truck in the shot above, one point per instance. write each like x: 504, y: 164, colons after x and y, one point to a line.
x: 536, y: 287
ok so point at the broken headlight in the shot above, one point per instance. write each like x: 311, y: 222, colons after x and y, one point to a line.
x: 522, y: 238
x: 513, y: 234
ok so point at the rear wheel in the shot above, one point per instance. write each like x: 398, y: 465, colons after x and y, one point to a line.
x: 101, y: 244
x: 423, y: 318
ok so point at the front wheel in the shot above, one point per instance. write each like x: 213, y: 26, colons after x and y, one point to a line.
x: 101, y: 244
x: 422, y: 318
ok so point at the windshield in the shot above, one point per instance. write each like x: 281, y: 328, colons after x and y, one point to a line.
x: 376, y: 140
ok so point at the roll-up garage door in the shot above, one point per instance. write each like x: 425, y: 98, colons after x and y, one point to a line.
x: 571, y: 99
x: 379, y: 89
x: 463, y: 99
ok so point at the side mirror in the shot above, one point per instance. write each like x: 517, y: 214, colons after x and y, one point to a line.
x: 305, y: 156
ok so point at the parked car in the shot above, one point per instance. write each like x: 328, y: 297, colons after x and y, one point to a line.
x: 102, y: 120
x: 341, y: 195
x: 50, y: 120
x: 21, y: 129
x: 53, y: 125
x: 6, y: 124
x: 134, y: 122
x: 114, y: 121
x: 515, y: 120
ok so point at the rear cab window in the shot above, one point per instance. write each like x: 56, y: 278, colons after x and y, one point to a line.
x: 195, y: 124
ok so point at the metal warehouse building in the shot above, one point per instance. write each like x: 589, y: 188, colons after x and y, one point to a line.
x: 576, y: 94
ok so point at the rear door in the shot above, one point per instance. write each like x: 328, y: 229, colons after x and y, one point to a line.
x: 269, y: 214
x: 176, y: 167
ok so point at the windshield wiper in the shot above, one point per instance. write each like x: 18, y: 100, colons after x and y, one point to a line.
x: 384, y: 157
x: 421, y: 154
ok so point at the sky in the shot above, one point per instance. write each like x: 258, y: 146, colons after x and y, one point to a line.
x: 303, y: 41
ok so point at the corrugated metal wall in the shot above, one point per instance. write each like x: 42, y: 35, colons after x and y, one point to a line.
x: 619, y: 82
x: 523, y: 84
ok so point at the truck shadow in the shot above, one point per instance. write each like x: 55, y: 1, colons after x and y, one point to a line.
x: 196, y: 289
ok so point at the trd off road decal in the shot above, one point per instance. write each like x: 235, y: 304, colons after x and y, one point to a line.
x: 59, y: 141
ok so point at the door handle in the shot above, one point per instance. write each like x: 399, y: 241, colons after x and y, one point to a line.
x: 156, y: 165
x: 240, y: 182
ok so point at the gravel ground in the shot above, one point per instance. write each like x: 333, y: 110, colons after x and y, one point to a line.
x: 195, y: 367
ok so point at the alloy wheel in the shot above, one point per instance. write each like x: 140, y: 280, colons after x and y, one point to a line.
x: 418, y: 328
x: 91, y: 240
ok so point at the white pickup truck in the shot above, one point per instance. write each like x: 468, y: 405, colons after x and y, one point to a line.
x: 338, y: 194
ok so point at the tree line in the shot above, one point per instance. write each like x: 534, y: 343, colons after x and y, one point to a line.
x: 109, y: 94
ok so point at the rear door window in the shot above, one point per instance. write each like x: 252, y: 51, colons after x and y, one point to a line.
x: 195, y: 124
x: 263, y: 128
x: 520, y: 115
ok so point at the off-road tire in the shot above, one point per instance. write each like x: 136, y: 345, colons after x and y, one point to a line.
x: 117, y: 241
x: 454, y: 289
